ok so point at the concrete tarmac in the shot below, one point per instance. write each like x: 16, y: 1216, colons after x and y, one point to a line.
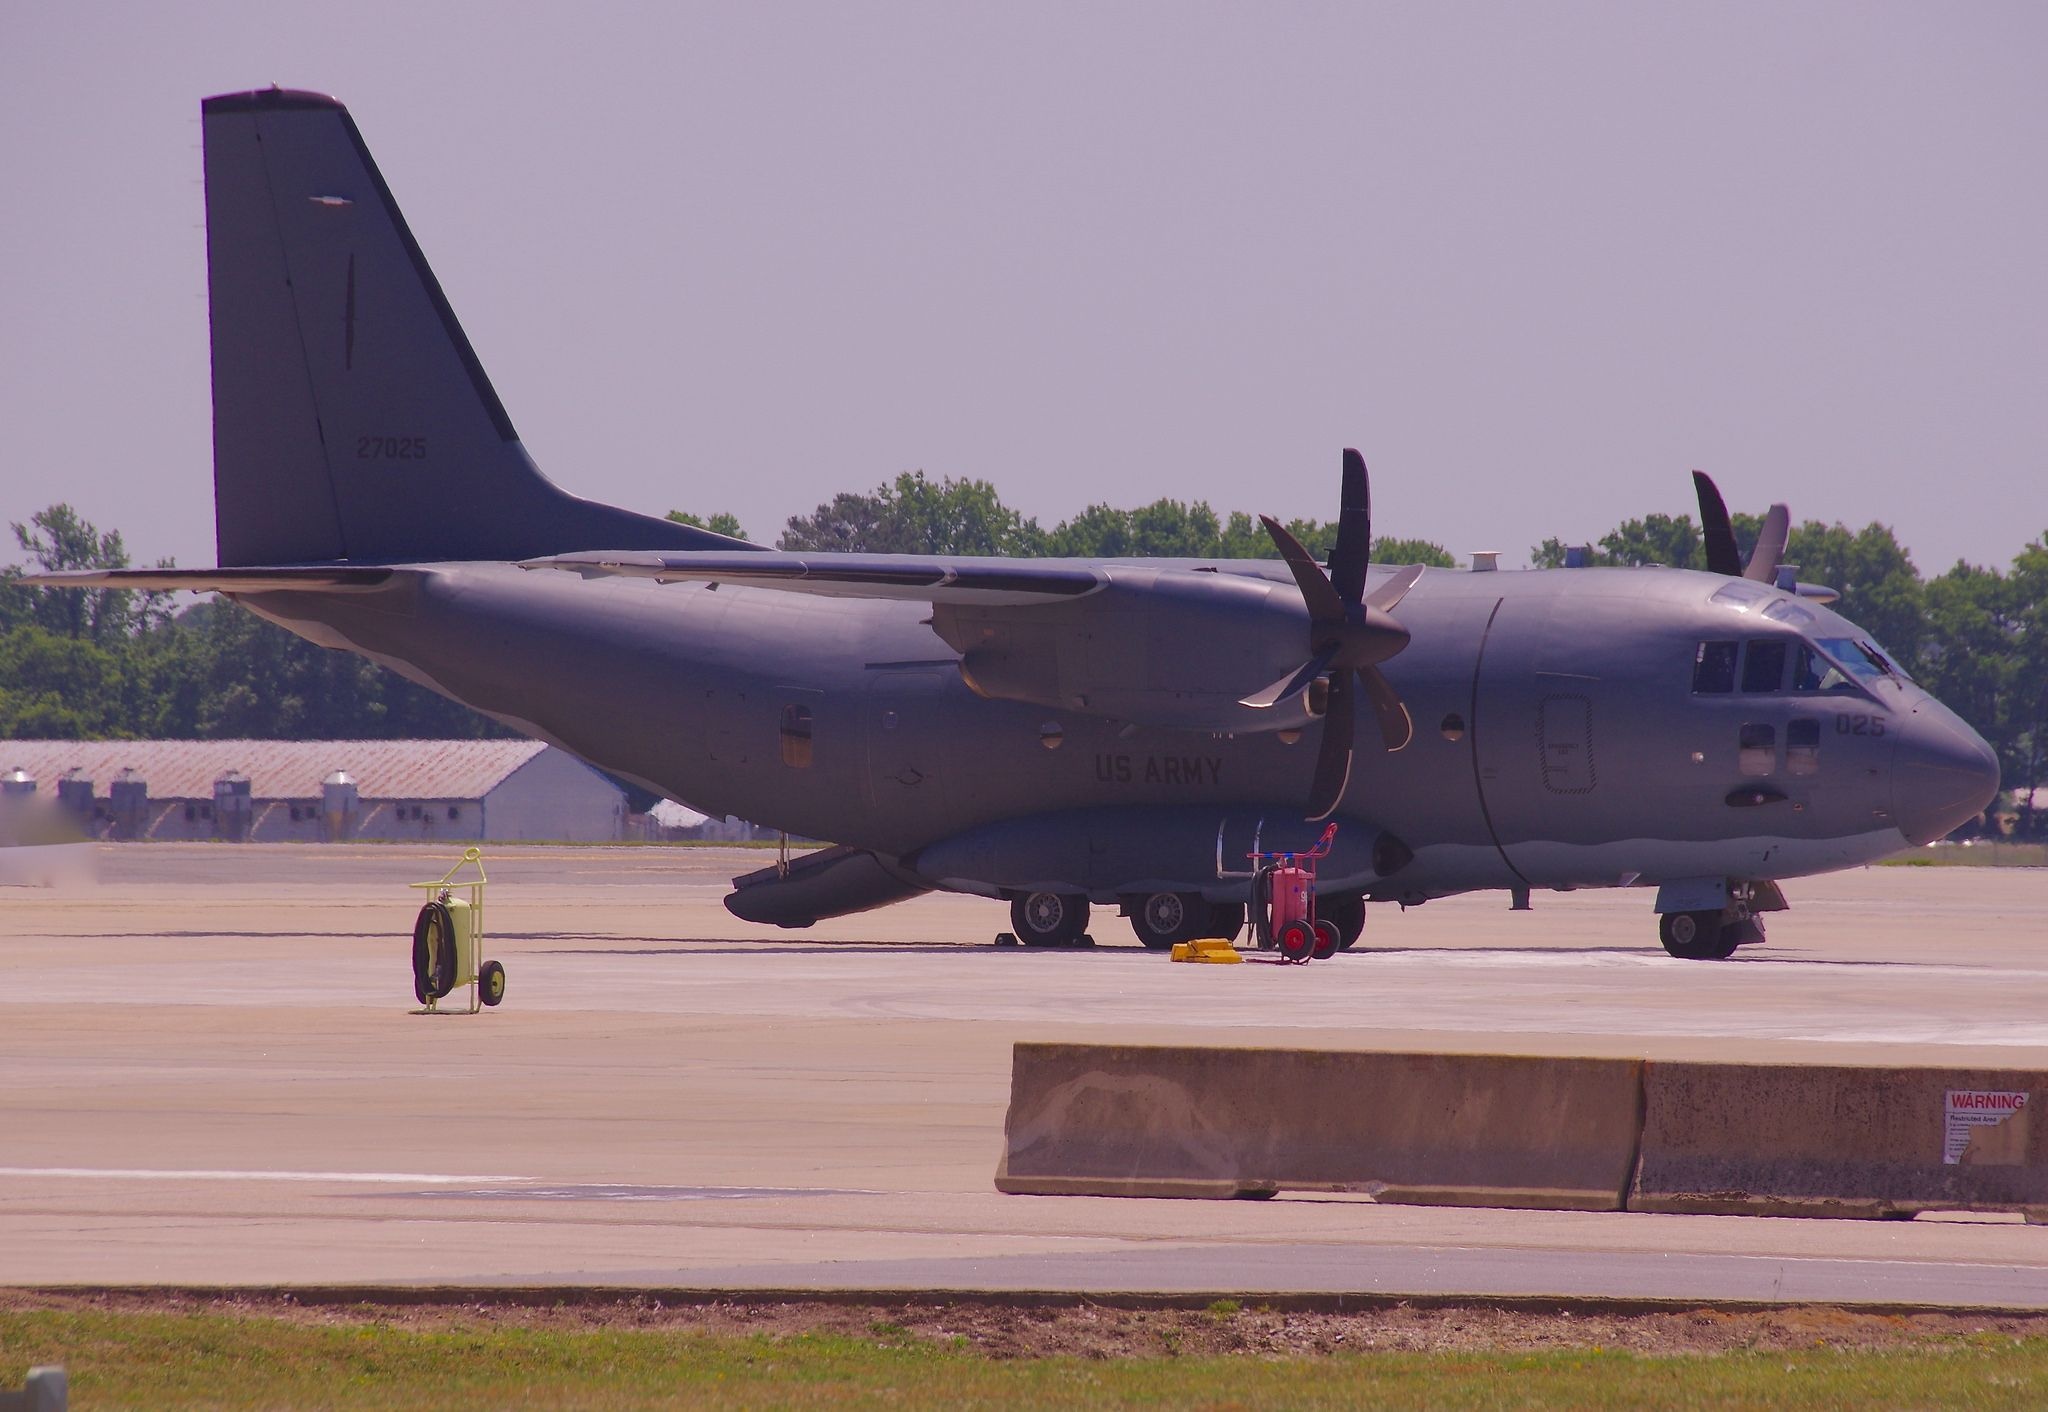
x: 208, y: 1075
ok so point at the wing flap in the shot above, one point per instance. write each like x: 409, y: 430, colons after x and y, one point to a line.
x: 910, y: 577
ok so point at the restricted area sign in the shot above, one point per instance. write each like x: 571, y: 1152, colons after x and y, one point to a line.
x: 1969, y: 1110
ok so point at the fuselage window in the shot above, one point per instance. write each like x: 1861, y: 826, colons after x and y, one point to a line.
x: 1713, y: 667
x: 1758, y: 742
x: 1763, y: 664
x: 1802, y: 746
x: 796, y: 736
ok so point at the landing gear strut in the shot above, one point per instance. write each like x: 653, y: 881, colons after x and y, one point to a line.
x: 1713, y: 935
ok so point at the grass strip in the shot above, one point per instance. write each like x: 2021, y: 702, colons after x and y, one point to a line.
x: 229, y: 1361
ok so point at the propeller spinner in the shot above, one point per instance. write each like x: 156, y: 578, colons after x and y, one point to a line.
x: 1350, y: 632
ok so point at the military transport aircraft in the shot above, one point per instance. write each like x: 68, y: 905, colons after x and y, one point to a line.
x: 1057, y: 733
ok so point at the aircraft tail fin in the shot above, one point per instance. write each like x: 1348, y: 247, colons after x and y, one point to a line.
x: 351, y: 418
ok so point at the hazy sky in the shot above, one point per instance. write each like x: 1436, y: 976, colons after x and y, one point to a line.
x: 1536, y: 261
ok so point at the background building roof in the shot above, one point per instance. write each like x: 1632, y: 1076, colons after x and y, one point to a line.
x: 278, y: 769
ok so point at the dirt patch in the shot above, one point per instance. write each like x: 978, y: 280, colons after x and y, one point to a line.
x: 1085, y: 1329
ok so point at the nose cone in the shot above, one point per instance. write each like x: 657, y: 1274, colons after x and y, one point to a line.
x: 1943, y: 776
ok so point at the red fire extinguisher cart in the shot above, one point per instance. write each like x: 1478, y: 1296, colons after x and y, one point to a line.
x: 1284, y: 903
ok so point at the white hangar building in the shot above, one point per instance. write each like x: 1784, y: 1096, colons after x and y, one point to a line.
x: 312, y: 791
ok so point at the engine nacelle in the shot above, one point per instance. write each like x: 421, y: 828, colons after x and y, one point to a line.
x: 1172, y: 648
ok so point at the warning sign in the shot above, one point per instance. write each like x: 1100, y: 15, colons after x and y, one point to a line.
x: 1968, y: 1113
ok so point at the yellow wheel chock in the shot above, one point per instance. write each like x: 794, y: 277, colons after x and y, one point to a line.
x: 1217, y: 951
x: 447, y: 940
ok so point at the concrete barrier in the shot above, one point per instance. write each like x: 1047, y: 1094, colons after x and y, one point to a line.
x: 1828, y: 1140
x: 1431, y: 1129
x: 47, y: 1390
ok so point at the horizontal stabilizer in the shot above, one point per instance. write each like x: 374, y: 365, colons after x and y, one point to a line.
x: 314, y: 579
x: 903, y: 576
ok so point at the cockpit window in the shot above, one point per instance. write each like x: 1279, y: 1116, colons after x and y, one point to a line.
x: 1713, y: 667
x: 1869, y: 665
x: 1813, y: 672
x: 1763, y: 664
x: 1787, y: 610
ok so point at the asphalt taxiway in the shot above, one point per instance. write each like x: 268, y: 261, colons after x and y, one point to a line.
x: 208, y: 1075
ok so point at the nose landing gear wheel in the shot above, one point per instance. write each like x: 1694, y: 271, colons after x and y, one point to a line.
x: 1296, y: 941
x: 1698, y: 936
x: 1049, y: 918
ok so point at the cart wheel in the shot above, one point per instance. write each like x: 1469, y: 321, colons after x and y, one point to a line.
x: 1328, y: 939
x: 433, y: 953
x: 1297, y: 941
x: 490, y: 983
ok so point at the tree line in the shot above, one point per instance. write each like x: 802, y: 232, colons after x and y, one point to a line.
x: 104, y: 664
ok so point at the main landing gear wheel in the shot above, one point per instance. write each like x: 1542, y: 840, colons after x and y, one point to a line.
x: 1162, y: 918
x: 1348, y: 912
x: 433, y: 953
x: 1296, y: 941
x: 1698, y: 936
x: 1049, y: 918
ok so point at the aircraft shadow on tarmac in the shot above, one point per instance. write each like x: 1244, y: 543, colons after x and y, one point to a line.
x: 243, y: 935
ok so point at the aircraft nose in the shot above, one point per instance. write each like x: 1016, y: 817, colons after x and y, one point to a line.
x: 1943, y: 775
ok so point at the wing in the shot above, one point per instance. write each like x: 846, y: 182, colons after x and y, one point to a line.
x: 913, y: 577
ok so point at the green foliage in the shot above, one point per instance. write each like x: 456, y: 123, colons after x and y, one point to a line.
x: 111, y: 664
x: 916, y: 515
x: 720, y: 523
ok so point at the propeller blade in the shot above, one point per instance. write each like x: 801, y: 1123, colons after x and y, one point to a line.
x: 1354, y: 530
x: 1770, y: 546
x: 1392, y: 590
x: 1333, y: 759
x: 1324, y: 606
x: 1293, y: 682
x: 1723, y: 557
x: 1397, y: 727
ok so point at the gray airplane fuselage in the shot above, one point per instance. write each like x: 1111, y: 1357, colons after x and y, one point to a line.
x: 1559, y: 739
x: 1051, y: 732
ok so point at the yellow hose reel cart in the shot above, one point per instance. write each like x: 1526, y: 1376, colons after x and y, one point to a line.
x: 448, y: 939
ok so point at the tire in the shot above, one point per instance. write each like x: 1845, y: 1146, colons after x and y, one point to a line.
x: 1226, y: 919
x: 1327, y: 939
x: 490, y: 983
x: 1696, y: 936
x: 1262, y: 906
x: 1162, y: 918
x: 1049, y: 918
x: 1297, y: 942
x: 1348, y: 912
x: 433, y: 952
